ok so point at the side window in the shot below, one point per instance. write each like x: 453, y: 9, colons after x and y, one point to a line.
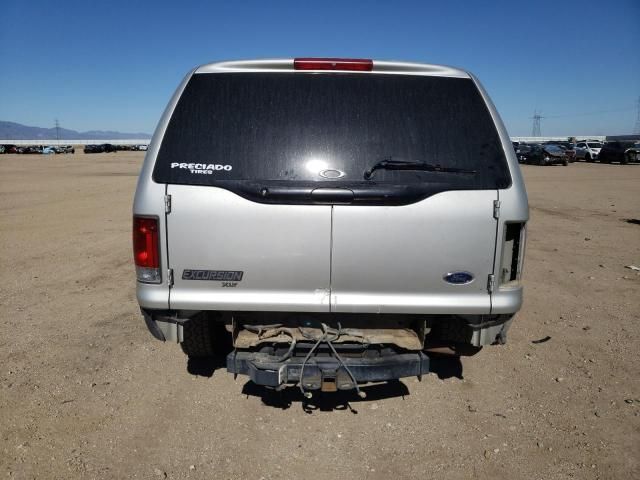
x: 581, y: 145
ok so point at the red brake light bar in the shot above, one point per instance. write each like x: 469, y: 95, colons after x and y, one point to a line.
x: 357, y: 64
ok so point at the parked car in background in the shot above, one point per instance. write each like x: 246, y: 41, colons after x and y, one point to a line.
x: 64, y: 149
x: 622, y: 152
x: 92, y: 149
x: 588, y: 150
x: 108, y: 148
x: 49, y: 150
x: 545, y: 155
x: 522, y: 151
x: 142, y: 147
x: 104, y: 148
x: 29, y: 149
x: 633, y: 154
x: 10, y: 149
x: 571, y: 154
x: 569, y: 149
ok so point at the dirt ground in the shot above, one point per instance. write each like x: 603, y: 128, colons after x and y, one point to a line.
x: 86, y: 392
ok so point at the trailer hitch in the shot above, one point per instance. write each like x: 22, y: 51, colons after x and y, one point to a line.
x: 328, y: 382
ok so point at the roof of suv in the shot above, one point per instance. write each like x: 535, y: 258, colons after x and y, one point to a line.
x: 287, y: 64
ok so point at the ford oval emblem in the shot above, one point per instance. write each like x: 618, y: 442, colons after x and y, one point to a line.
x: 331, y: 173
x: 458, y: 278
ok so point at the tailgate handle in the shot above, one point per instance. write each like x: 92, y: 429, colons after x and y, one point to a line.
x: 325, y: 195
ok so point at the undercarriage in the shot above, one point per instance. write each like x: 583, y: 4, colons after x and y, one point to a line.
x: 326, y: 352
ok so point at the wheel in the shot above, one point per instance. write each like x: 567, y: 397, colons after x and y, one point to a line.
x: 565, y: 162
x: 587, y: 157
x: 625, y: 159
x: 198, y: 337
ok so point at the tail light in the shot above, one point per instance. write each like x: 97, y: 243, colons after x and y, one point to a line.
x: 146, y: 249
x: 357, y: 64
x: 512, y: 253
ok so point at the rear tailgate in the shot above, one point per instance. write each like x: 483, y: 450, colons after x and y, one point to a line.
x: 265, y: 170
x: 282, y: 252
x: 395, y: 259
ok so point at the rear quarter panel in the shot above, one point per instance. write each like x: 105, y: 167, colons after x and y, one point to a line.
x: 149, y: 200
x: 514, y: 207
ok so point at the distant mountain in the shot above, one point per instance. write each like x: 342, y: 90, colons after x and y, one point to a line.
x: 15, y: 131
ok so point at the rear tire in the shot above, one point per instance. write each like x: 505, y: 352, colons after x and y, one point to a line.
x: 198, y: 339
x: 587, y: 158
x: 565, y: 163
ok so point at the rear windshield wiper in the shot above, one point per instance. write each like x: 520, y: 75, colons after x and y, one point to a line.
x: 390, y: 164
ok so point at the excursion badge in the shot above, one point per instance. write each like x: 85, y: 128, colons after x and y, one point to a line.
x: 213, y: 275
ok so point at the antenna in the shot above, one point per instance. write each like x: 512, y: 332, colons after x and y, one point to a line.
x: 57, y: 131
x: 636, y: 129
x: 536, y: 132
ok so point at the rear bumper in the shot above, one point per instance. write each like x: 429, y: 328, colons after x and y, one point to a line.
x: 325, y: 373
x: 475, y: 330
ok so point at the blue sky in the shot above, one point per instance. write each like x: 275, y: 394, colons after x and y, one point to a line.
x: 113, y: 65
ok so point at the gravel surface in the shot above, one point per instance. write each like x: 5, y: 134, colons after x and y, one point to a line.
x: 86, y: 392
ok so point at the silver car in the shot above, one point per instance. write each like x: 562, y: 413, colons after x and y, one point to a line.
x: 329, y: 222
x: 588, y: 150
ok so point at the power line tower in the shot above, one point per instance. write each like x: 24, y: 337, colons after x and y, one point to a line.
x: 57, y: 130
x: 636, y: 129
x: 535, y: 131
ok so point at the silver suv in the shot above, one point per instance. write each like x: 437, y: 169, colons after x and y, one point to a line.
x: 337, y: 221
x: 588, y: 150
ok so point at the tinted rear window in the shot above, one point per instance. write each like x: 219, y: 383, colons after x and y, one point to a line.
x: 304, y: 127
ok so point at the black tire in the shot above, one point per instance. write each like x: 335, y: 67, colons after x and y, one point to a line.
x: 565, y: 162
x: 198, y: 337
x: 625, y: 159
x: 587, y: 158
